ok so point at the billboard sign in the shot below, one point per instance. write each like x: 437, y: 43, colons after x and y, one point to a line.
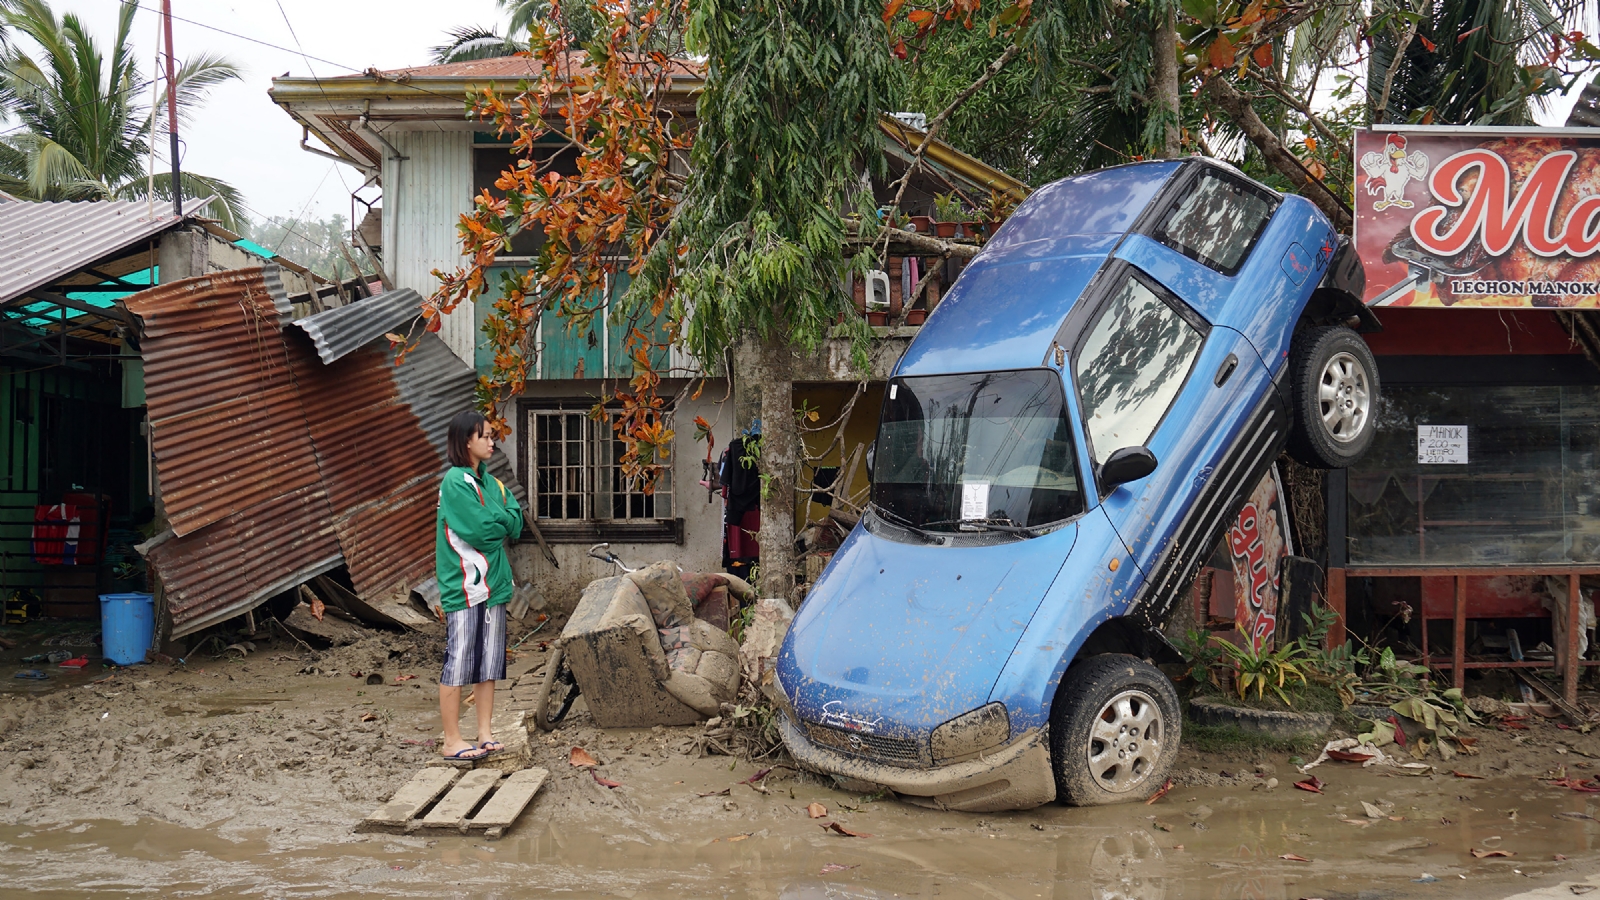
x: 1479, y: 217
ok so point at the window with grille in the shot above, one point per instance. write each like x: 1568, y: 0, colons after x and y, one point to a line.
x: 573, y: 469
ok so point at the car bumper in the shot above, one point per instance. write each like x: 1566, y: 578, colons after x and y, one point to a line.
x: 1016, y: 776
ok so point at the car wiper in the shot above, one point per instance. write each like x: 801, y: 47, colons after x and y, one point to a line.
x: 988, y: 525
x: 903, y: 522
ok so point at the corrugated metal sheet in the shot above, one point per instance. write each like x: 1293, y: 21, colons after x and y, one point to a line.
x: 40, y: 242
x: 275, y: 467
x: 421, y: 208
x: 1586, y: 112
x: 341, y: 330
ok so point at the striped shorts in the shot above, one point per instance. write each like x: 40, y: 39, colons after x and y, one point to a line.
x: 475, y: 645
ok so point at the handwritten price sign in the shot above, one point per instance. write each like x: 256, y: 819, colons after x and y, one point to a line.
x: 1442, y: 444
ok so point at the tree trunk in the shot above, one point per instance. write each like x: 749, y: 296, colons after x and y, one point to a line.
x: 780, y: 459
x: 1237, y: 107
x: 1164, y: 43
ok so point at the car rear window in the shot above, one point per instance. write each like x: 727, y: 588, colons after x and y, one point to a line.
x: 1104, y: 202
x: 1216, y: 222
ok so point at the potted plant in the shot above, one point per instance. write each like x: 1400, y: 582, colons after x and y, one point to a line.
x: 921, y: 224
x: 1000, y: 208
x: 949, y: 212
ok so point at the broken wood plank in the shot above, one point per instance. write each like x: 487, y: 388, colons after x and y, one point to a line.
x: 423, y: 788
x: 452, y: 811
x: 1554, y: 699
x: 508, y: 802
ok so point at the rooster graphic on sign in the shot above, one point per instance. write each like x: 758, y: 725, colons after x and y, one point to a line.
x: 1389, y: 171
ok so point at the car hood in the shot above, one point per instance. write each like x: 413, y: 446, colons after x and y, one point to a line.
x: 899, y: 638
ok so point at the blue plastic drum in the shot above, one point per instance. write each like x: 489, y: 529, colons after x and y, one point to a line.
x: 127, y: 626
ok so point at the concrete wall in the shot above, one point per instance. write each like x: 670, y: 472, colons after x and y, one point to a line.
x: 424, y: 196
x: 702, y: 547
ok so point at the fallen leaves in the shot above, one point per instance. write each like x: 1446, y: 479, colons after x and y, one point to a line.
x: 816, y: 810
x: 1582, y: 888
x: 581, y: 758
x: 1347, y: 756
x: 1372, y: 811
x: 1293, y: 857
x: 370, y: 717
x: 836, y: 828
x: 757, y: 776
x: 1485, y: 854
x: 1311, y: 783
x: 1573, y: 815
x: 604, y: 782
x: 1465, y: 775
x: 1165, y: 789
x: 722, y: 793
x: 400, y: 678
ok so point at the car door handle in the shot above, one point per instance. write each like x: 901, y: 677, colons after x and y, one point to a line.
x: 1225, y: 371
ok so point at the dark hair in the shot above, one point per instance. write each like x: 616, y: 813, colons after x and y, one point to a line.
x: 465, y: 426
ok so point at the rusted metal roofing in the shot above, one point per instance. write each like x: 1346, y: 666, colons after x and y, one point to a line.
x: 275, y: 467
x: 40, y: 242
x: 341, y: 330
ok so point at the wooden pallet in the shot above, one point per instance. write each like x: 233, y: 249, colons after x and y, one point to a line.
x: 440, y: 798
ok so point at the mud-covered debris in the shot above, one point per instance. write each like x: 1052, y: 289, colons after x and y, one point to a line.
x: 580, y: 758
x: 722, y: 793
x: 1485, y: 854
x: 1465, y: 775
x: 836, y: 867
x: 1294, y: 857
x: 836, y: 828
x: 1372, y: 811
x: 1582, y: 888
x: 602, y: 781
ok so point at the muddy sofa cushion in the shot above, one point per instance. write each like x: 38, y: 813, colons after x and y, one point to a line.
x: 621, y: 605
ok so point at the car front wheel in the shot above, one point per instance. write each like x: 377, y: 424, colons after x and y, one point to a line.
x: 1334, y: 385
x: 1114, y: 731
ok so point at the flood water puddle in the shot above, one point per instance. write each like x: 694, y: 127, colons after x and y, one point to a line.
x: 1195, y: 843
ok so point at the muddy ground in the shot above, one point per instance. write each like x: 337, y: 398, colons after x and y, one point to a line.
x: 245, y: 776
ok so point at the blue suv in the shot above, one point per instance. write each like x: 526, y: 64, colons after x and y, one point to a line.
x: 1065, y: 440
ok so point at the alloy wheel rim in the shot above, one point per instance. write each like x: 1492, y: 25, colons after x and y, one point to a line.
x: 1125, y: 741
x: 1344, y: 397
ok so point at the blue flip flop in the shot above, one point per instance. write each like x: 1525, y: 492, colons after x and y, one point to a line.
x: 461, y: 754
x: 33, y: 674
x: 488, y: 749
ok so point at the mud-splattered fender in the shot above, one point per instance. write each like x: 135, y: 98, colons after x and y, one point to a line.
x: 1098, y: 583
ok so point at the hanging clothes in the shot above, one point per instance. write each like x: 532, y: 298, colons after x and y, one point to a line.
x: 741, y: 512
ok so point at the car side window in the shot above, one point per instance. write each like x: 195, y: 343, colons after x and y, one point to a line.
x: 1216, y: 222
x: 1129, y: 370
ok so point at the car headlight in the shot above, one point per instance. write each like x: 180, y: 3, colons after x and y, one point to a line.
x: 973, y: 732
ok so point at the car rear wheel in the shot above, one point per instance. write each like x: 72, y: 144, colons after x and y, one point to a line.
x: 1334, y: 385
x: 1114, y: 731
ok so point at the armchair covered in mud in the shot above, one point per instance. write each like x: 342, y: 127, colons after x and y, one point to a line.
x: 642, y: 656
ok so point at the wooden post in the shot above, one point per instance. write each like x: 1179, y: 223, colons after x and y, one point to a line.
x: 1569, y: 674
x: 1336, y: 631
x: 1458, y: 649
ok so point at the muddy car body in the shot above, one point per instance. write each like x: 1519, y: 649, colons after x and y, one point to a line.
x: 1061, y: 444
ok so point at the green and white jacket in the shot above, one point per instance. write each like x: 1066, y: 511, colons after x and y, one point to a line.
x: 476, y: 516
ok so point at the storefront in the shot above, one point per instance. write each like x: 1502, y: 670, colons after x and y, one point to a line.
x: 1476, y: 514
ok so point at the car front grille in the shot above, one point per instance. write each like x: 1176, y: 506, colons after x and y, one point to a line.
x: 903, y: 752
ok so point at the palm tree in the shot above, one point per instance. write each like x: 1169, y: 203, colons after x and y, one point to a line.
x: 83, y: 132
x: 1463, y: 62
x: 476, y: 42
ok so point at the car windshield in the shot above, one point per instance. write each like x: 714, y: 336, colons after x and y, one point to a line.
x: 955, y: 451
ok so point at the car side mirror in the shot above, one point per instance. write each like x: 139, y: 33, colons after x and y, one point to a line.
x: 1125, y: 465
x: 872, y: 450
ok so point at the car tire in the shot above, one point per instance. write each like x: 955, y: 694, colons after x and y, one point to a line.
x: 1114, y: 731
x: 1333, y: 382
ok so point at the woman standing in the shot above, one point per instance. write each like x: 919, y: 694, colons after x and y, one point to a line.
x: 476, y: 516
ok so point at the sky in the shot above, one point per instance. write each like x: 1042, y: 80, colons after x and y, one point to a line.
x: 242, y: 138
x: 239, y: 135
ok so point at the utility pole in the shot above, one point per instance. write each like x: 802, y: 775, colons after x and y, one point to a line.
x: 172, y: 109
